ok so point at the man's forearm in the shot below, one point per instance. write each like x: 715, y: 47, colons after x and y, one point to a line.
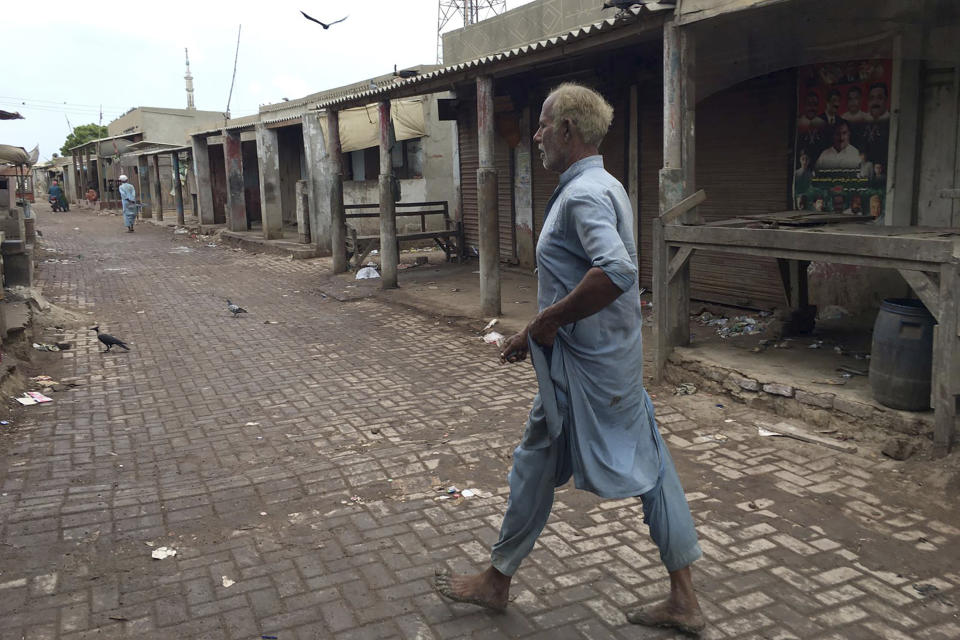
x: 594, y: 292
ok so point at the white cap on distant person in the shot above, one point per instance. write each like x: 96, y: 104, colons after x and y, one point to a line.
x: 123, y: 178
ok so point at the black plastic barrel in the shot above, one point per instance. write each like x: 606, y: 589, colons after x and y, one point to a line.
x: 901, y: 358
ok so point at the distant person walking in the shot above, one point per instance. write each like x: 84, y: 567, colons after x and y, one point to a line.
x: 128, y: 198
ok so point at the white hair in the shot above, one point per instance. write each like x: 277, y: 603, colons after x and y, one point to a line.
x: 586, y: 110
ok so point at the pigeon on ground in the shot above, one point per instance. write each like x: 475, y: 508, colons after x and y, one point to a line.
x: 325, y: 25
x: 109, y: 340
x: 235, y: 309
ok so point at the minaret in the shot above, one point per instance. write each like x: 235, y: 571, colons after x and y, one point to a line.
x: 189, y: 79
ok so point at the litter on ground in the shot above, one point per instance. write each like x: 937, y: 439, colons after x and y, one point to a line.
x: 162, y: 553
x: 367, y: 273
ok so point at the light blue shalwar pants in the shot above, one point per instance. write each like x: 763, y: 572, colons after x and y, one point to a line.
x: 540, y: 466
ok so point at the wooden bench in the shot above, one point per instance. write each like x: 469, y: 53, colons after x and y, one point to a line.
x: 449, y: 238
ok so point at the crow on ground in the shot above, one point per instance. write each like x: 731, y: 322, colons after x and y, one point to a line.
x: 235, y: 309
x: 109, y: 340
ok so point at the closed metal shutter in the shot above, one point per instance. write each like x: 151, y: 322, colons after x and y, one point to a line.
x: 743, y: 146
x: 469, y: 163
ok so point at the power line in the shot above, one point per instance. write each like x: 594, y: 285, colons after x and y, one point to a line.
x: 236, y: 55
x: 58, y: 102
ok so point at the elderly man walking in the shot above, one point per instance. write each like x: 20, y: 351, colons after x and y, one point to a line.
x: 592, y: 418
x: 128, y: 199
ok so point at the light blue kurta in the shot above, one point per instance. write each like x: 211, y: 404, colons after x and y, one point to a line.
x: 593, y: 376
x: 592, y: 418
x: 128, y: 198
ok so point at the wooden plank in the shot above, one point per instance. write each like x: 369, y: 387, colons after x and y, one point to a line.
x: 792, y: 431
x: 945, y: 352
x: 812, y: 256
x: 914, y: 249
x: 926, y: 288
x: 683, y: 206
x: 678, y: 262
x: 661, y: 331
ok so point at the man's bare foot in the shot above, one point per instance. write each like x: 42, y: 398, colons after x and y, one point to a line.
x: 490, y: 589
x: 666, y: 614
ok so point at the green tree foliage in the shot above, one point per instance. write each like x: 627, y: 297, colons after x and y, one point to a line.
x: 83, y: 133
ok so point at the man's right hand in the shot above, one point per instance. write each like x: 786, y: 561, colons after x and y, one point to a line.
x: 515, y: 348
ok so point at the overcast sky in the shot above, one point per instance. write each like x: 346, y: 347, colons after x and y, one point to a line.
x: 65, y: 59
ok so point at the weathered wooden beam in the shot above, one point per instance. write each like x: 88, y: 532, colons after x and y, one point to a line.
x: 683, y: 206
x: 809, y: 255
x: 678, y: 262
x: 158, y: 187
x: 661, y: 316
x: 945, y: 352
x: 921, y: 249
x: 926, y: 288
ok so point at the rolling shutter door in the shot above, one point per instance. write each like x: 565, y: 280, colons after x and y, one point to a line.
x: 469, y: 163
x: 742, y: 163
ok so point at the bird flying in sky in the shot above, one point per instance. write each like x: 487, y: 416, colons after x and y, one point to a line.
x: 325, y: 25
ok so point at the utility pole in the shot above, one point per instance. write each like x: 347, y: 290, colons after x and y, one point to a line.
x: 473, y: 11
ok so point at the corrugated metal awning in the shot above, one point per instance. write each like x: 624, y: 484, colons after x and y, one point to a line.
x: 439, y: 80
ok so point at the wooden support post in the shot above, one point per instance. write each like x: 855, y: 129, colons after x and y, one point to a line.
x: 146, y: 194
x: 233, y: 161
x: 945, y: 354
x: 77, y: 177
x: 488, y: 211
x: 389, y: 249
x: 926, y: 288
x: 671, y: 286
x: 177, y: 187
x: 338, y: 220
x: 158, y: 190
x: 633, y: 162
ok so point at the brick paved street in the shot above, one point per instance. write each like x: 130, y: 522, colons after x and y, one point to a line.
x: 297, y: 462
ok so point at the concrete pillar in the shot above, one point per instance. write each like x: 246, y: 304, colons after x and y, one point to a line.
x: 143, y: 174
x: 488, y: 210
x: 201, y: 169
x: 318, y: 184
x: 77, y: 177
x: 233, y: 158
x: 389, y: 250
x: 87, y: 171
x: 269, y: 161
x: 338, y: 221
x: 177, y: 187
x: 523, y: 193
x: 303, y: 211
x: 101, y: 179
x: 158, y: 189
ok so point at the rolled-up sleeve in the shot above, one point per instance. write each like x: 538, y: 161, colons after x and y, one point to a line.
x: 595, y: 221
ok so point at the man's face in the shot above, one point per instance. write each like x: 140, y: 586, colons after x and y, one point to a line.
x: 875, y: 206
x: 878, y: 168
x: 838, y: 204
x: 856, y: 205
x: 549, y: 140
x: 833, y: 104
x: 878, y: 101
x: 853, y: 102
x: 813, y: 103
x: 841, y: 137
